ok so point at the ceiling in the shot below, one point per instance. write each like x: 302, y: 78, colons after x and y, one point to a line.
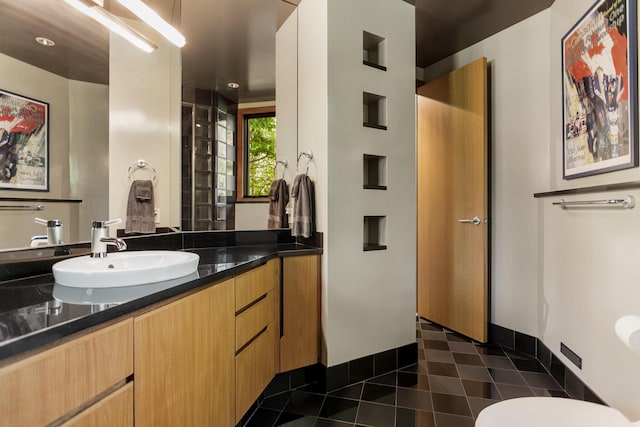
x: 230, y: 40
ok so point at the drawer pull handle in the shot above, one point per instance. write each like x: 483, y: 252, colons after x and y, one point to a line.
x: 251, y: 304
x: 255, y: 337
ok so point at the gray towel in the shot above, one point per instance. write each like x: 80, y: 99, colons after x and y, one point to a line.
x: 140, y: 208
x: 278, y: 199
x: 303, y: 223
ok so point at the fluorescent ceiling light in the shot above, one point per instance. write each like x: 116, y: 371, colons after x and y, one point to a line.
x: 154, y: 20
x: 118, y: 27
x: 113, y: 24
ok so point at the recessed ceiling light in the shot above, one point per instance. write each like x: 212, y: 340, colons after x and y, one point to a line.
x: 233, y: 85
x: 45, y: 41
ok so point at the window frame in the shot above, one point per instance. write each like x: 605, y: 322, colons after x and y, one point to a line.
x: 242, y: 165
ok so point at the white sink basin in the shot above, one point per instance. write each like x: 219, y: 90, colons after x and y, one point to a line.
x: 125, y: 269
x: 92, y: 296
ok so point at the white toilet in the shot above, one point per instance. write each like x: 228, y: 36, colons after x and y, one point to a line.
x: 551, y: 412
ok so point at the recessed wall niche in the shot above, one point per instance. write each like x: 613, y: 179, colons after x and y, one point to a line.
x: 374, y: 51
x: 375, y: 231
x: 374, y: 111
x: 374, y: 176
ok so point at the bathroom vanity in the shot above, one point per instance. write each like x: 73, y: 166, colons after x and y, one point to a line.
x: 197, y: 351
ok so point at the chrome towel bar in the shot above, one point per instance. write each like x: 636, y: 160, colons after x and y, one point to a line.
x: 628, y: 202
x: 22, y: 208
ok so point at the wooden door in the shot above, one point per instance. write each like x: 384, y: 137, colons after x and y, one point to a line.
x: 453, y: 187
x: 184, y: 361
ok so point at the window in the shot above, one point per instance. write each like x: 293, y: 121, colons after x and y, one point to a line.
x: 258, y: 133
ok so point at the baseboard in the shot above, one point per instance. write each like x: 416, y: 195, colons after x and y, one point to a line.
x: 534, y: 347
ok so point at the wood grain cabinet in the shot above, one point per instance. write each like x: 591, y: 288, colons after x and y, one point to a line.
x: 184, y: 361
x: 256, y: 333
x: 63, y: 380
x: 199, y: 360
x: 115, y: 410
x: 299, y: 344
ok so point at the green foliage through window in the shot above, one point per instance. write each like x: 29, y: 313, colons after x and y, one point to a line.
x: 261, y: 159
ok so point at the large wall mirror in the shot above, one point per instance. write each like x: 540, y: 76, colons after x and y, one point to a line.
x: 73, y: 77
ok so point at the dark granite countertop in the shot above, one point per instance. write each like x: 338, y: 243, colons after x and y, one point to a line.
x: 34, y: 311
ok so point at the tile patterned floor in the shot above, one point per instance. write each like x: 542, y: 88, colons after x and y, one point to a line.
x: 452, y: 382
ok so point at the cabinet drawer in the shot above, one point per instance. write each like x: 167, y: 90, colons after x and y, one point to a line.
x: 255, y: 283
x: 254, y: 319
x: 255, y: 368
x: 115, y: 410
x: 46, y: 386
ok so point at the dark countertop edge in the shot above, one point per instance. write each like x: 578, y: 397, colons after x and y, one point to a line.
x: 593, y: 189
x: 38, y: 199
x: 43, y: 338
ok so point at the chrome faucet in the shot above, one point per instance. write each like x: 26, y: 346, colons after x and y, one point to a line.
x: 100, y: 238
x: 54, y: 233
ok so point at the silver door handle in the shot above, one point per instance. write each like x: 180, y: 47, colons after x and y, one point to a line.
x: 475, y: 220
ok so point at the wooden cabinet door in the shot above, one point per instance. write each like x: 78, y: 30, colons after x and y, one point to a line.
x: 300, y: 312
x: 115, y: 410
x: 184, y: 361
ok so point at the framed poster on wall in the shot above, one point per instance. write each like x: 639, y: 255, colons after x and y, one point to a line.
x: 599, y: 91
x: 24, y: 143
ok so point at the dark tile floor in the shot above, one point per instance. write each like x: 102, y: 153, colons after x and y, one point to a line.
x: 452, y: 382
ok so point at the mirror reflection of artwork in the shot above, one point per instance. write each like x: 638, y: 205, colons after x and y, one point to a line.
x: 599, y: 91
x: 24, y: 147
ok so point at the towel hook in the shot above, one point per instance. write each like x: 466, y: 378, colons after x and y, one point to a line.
x: 141, y: 164
x: 284, y: 164
x: 309, y: 156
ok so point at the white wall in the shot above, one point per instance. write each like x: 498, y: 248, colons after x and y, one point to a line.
x: 251, y: 216
x: 589, y: 273
x: 563, y: 276
x: 287, y: 95
x: 311, y: 124
x: 368, y: 297
x: 381, y: 301
x: 89, y: 152
x: 590, y: 280
x: 144, y: 106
